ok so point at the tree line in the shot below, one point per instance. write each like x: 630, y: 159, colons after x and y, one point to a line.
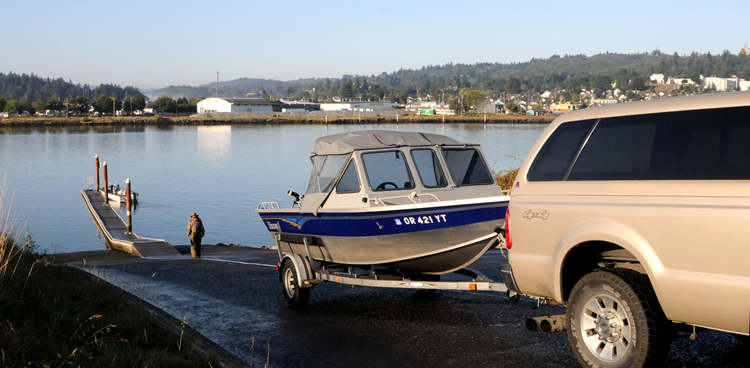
x: 28, y: 92
x: 104, y: 104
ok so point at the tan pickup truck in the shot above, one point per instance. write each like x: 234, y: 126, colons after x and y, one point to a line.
x: 637, y: 217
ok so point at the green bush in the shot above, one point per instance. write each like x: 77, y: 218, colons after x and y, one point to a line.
x: 506, y: 179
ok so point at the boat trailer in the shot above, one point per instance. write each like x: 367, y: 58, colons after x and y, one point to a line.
x: 299, y: 274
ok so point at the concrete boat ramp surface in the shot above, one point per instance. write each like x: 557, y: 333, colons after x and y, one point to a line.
x: 233, y: 297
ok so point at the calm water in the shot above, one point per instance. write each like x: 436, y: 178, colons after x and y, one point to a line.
x: 220, y: 172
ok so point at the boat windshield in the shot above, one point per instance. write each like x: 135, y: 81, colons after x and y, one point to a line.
x: 326, y: 169
x: 467, y: 167
x: 387, y: 170
x: 428, y: 168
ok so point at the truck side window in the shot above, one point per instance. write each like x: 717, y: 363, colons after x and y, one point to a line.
x: 708, y: 144
x: 616, y: 150
x: 558, y: 152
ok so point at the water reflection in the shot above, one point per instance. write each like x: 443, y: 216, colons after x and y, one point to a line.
x: 214, y: 141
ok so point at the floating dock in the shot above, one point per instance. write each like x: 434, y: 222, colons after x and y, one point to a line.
x: 115, y: 229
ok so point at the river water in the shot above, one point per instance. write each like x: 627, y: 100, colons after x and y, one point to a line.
x: 221, y: 172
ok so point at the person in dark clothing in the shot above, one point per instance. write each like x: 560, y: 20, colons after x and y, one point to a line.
x: 195, y: 232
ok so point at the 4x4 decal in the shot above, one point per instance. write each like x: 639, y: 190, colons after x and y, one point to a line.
x: 530, y: 215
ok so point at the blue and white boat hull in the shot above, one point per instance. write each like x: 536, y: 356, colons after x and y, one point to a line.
x: 432, y: 238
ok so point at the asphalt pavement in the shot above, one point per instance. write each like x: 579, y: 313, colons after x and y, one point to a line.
x: 234, y: 298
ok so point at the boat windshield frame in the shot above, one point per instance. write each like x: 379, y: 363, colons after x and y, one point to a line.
x: 329, y: 165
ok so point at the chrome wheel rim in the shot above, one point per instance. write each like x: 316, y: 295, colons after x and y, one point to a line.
x: 606, y: 328
x: 289, y: 284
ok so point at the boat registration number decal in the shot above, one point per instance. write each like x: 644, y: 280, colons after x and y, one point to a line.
x: 421, y: 220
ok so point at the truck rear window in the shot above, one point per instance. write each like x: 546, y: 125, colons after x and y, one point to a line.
x: 554, y: 159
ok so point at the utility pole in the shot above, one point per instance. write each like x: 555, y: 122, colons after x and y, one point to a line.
x: 217, y: 84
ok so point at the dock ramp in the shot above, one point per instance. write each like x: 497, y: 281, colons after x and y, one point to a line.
x: 114, y: 229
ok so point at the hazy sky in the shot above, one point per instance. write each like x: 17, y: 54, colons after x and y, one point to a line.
x: 152, y: 44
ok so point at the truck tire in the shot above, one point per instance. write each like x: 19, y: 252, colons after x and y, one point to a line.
x: 295, y: 295
x: 615, y: 320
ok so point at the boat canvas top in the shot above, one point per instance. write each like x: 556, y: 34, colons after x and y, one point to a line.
x: 344, y: 157
x: 339, y: 144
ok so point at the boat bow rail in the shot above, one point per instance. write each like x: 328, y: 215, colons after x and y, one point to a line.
x: 269, y: 206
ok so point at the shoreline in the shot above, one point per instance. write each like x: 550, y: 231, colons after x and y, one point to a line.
x: 183, y: 120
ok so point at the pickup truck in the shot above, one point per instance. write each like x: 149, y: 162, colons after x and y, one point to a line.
x: 637, y: 217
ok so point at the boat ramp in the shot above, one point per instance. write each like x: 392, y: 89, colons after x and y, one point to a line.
x: 115, y: 229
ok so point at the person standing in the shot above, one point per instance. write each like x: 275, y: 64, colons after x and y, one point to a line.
x: 195, y: 232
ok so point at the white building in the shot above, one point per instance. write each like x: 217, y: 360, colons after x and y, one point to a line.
x: 658, y: 78
x: 214, y: 104
x: 721, y: 84
x: 673, y: 80
x: 357, y: 106
x: 603, y: 101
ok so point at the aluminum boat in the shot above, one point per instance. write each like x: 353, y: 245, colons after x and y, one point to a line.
x: 415, y: 202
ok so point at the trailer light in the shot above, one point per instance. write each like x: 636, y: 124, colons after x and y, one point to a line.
x: 473, y: 287
x: 277, y: 268
x: 338, y: 279
x: 307, y: 282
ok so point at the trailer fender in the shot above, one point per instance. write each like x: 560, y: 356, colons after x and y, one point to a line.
x: 301, y: 266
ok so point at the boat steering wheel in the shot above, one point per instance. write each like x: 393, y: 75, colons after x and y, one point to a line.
x: 383, y: 184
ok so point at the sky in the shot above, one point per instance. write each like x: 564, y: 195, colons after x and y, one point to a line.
x: 154, y: 44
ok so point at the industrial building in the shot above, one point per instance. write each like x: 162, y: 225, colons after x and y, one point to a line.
x: 243, y: 105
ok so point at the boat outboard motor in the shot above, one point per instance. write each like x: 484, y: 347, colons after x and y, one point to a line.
x: 296, y: 196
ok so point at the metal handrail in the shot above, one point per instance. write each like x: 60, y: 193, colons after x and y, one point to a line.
x: 411, y: 197
x: 268, y: 206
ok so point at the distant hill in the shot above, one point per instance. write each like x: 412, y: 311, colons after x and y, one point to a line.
x: 442, y: 82
x: 570, y: 72
x: 243, y: 87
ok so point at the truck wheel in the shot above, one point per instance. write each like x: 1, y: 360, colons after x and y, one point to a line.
x: 295, y: 295
x: 616, y: 321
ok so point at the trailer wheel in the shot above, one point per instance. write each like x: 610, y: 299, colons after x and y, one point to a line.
x: 295, y: 295
x: 615, y: 321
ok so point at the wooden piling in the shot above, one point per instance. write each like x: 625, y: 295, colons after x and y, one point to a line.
x: 129, y: 205
x: 106, y: 184
x: 96, y: 158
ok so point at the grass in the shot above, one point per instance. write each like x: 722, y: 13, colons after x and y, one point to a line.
x: 50, y: 316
